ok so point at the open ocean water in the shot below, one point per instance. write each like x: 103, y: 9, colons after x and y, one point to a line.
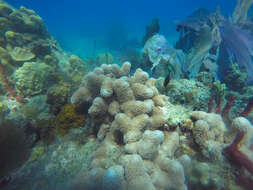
x: 77, y: 24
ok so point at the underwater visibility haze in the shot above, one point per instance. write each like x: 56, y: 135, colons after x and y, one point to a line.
x: 126, y: 95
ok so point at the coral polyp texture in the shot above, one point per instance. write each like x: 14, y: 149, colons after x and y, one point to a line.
x: 32, y: 78
x: 156, y: 144
x: 130, y: 111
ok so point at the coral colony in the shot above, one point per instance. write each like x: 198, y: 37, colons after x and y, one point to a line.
x: 174, y: 118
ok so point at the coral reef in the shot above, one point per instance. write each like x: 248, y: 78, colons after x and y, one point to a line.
x: 14, y: 149
x: 235, y: 79
x: 130, y: 111
x: 21, y: 54
x: 136, y: 176
x: 203, y: 175
x: 77, y: 68
x: 141, y: 139
x: 240, y: 46
x: 120, y: 129
x: 198, y: 36
x: 248, y: 108
x: 46, y: 130
x: 3, y: 111
x: 32, y: 78
x: 61, y: 162
x: 30, y: 57
x: 35, y: 108
x: 164, y: 59
x: 9, y: 86
x: 206, y: 37
x: 192, y: 94
x: 68, y: 118
x: 208, y: 133
x: 57, y: 96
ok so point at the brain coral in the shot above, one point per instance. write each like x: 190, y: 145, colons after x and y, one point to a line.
x: 32, y: 78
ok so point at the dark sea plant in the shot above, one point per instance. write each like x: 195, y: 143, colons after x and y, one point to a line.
x: 240, y: 13
x: 14, y: 148
x: 238, y: 44
x: 151, y: 30
x: 234, y: 39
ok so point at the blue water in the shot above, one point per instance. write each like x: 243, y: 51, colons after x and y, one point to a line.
x: 77, y: 24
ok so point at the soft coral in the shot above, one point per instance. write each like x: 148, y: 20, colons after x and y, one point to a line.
x: 239, y: 158
x: 238, y: 44
x: 9, y: 87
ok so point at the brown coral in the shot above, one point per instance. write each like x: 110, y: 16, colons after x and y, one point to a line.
x: 69, y: 118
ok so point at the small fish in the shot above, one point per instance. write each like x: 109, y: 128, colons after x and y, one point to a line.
x: 5, y: 181
x: 167, y: 80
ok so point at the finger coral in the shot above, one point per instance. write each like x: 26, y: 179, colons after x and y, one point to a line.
x: 148, y: 145
x: 136, y: 174
x: 129, y: 113
x: 208, y: 133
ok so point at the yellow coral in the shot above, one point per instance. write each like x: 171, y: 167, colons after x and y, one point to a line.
x: 77, y: 78
x: 68, y: 118
x: 36, y: 153
x: 188, y: 150
x: 62, y: 89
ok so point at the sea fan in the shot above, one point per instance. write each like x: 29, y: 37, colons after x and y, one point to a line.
x: 239, y: 46
x: 241, y: 11
x: 14, y: 148
x: 195, y: 20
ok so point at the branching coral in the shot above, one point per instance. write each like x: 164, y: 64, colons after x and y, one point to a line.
x: 239, y: 158
x: 248, y: 108
x: 228, y: 106
x: 239, y: 152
